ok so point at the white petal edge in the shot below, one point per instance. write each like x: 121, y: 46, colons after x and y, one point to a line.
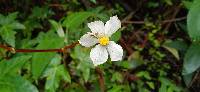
x: 87, y: 40
x: 99, y: 55
x: 115, y: 51
x: 97, y: 27
x: 112, y: 25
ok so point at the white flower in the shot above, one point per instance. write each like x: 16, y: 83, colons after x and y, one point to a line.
x: 100, y: 35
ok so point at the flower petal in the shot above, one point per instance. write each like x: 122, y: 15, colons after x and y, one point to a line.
x: 87, y: 40
x: 96, y: 27
x: 99, y: 55
x: 115, y: 51
x: 112, y: 25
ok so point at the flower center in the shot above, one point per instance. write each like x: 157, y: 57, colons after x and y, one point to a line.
x: 104, y: 40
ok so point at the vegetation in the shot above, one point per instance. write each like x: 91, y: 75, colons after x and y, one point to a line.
x: 39, y: 49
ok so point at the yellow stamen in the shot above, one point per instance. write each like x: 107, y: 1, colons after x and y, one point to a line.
x: 104, y: 40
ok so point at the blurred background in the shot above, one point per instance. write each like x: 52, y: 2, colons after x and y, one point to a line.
x: 154, y: 38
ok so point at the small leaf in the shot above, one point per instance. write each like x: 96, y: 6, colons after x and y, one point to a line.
x: 2, y: 17
x: 12, y: 16
x: 64, y: 73
x: 173, y: 51
x: 8, y: 35
x: 116, y: 36
x: 76, y: 19
x: 144, y: 74
x: 58, y: 28
x: 117, y: 77
x: 17, y: 25
x: 169, y: 2
x: 151, y: 85
x: 187, y: 4
x: 93, y: 1
x: 115, y: 88
x: 177, y: 44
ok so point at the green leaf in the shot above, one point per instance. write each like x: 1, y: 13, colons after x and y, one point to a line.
x: 187, y: 4
x: 74, y: 20
x: 188, y: 78
x: 168, y: 86
x: 8, y: 35
x: 177, y: 44
x: 134, y: 60
x: 192, y: 59
x: 173, y: 51
x: 169, y: 2
x: 115, y: 88
x: 17, y: 25
x: 116, y: 36
x: 144, y: 74
x: 163, y: 88
x: 13, y: 65
x: 54, y: 73
x: 16, y: 84
x: 41, y: 60
x: 85, y: 63
x: 7, y: 26
x: 93, y: 1
x: 52, y: 81
x: 41, y: 12
x: 58, y: 28
x: 117, y: 76
x: 193, y: 21
x: 62, y: 71
x: 2, y: 17
x: 12, y: 16
x: 151, y: 85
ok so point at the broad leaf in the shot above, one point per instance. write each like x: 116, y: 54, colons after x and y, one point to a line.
x: 16, y: 84
x: 13, y: 65
x: 41, y: 60
x: 193, y: 21
x: 192, y: 59
x: 188, y: 78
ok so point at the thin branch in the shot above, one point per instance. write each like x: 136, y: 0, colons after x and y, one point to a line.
x: 194, y: 78
x: 133, y: 22
x: 177, y: 9
x: 101, y: 79
x: 13, y: 50
x: 56, y: 5
x: 174, y: 20
x: 162, y: 22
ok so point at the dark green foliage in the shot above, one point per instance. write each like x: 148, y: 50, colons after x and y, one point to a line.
x: 159, y: 56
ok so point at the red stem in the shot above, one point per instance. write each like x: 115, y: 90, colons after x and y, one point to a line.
x: 13, y: 50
